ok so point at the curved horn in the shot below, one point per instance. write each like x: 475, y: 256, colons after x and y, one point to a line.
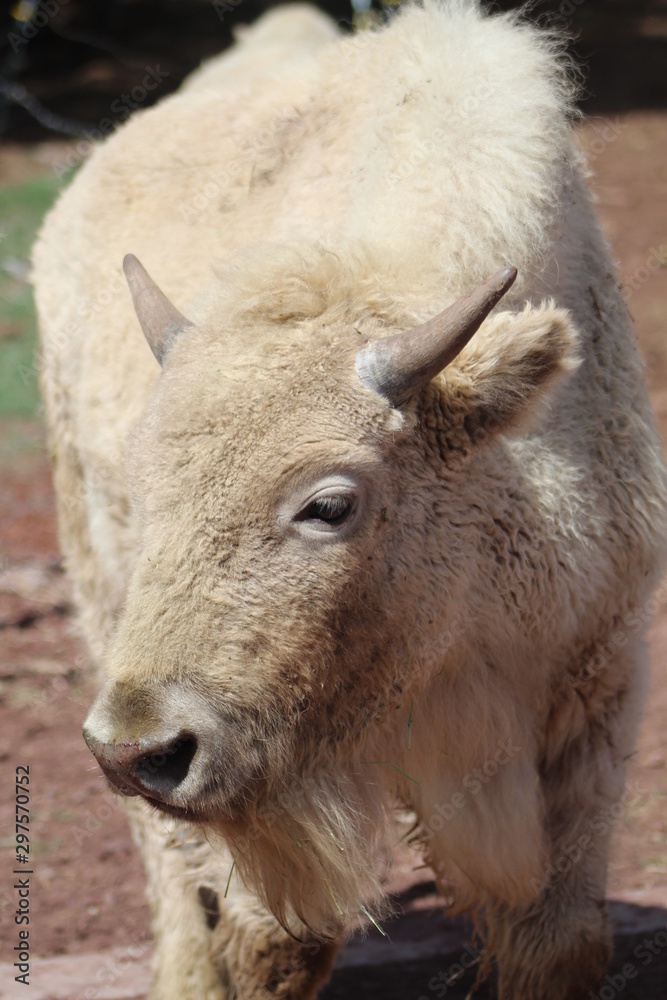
x: 161, y: 322
x: 399, y: 366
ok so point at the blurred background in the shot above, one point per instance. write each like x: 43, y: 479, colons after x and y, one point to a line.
x: 64, y: 62
x: 70, y: 72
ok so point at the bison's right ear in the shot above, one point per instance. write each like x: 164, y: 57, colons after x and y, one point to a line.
x: 161, y: 322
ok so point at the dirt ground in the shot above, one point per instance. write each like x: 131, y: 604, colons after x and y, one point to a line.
x: 88, y: 884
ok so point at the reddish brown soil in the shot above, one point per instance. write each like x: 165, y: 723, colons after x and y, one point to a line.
x: 88, y: 884
x: 88, y: 879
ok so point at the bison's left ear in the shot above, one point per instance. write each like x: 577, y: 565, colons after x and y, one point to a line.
x: 161, y: 322
x: 498, y: 382
x: 398, y: 367
x: 473, y: 376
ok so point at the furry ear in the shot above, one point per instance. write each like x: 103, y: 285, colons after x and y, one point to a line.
x: 498, y: 381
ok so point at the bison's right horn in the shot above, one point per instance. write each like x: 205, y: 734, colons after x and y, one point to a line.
x: 161, y: 322
x: 399, y: 366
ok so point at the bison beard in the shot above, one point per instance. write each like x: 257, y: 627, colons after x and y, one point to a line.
x: 313, y: 854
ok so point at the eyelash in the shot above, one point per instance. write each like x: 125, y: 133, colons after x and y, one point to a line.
x: 330, y: 509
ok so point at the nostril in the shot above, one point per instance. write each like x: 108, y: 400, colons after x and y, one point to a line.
x: 162, y: 771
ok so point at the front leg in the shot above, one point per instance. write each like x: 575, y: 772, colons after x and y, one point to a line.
x: 172, y: 854
x: 213, y: 938
x: 558, y: 948
x: 257, y: 960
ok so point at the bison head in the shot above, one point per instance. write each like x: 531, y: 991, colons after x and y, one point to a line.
x: 303, y: 483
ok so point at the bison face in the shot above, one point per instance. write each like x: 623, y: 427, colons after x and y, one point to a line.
x: 297, y: 486
x: 266, y: 619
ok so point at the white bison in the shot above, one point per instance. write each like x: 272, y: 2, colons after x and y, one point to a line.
x: 335, y: 555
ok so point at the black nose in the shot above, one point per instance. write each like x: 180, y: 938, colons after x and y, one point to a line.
x: 155, y: 768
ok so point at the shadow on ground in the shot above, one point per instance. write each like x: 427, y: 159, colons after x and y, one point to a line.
x: 427, y: 956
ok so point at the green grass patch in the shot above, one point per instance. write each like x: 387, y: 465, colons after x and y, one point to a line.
x: 22, y: 208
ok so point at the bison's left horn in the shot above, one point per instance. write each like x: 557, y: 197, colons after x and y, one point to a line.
x: 399, y: 366
x: 161, y: 322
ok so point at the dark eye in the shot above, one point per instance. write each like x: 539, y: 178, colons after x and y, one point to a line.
x: 333, y: 510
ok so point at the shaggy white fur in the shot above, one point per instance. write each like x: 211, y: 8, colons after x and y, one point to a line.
x: 304, y: 195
